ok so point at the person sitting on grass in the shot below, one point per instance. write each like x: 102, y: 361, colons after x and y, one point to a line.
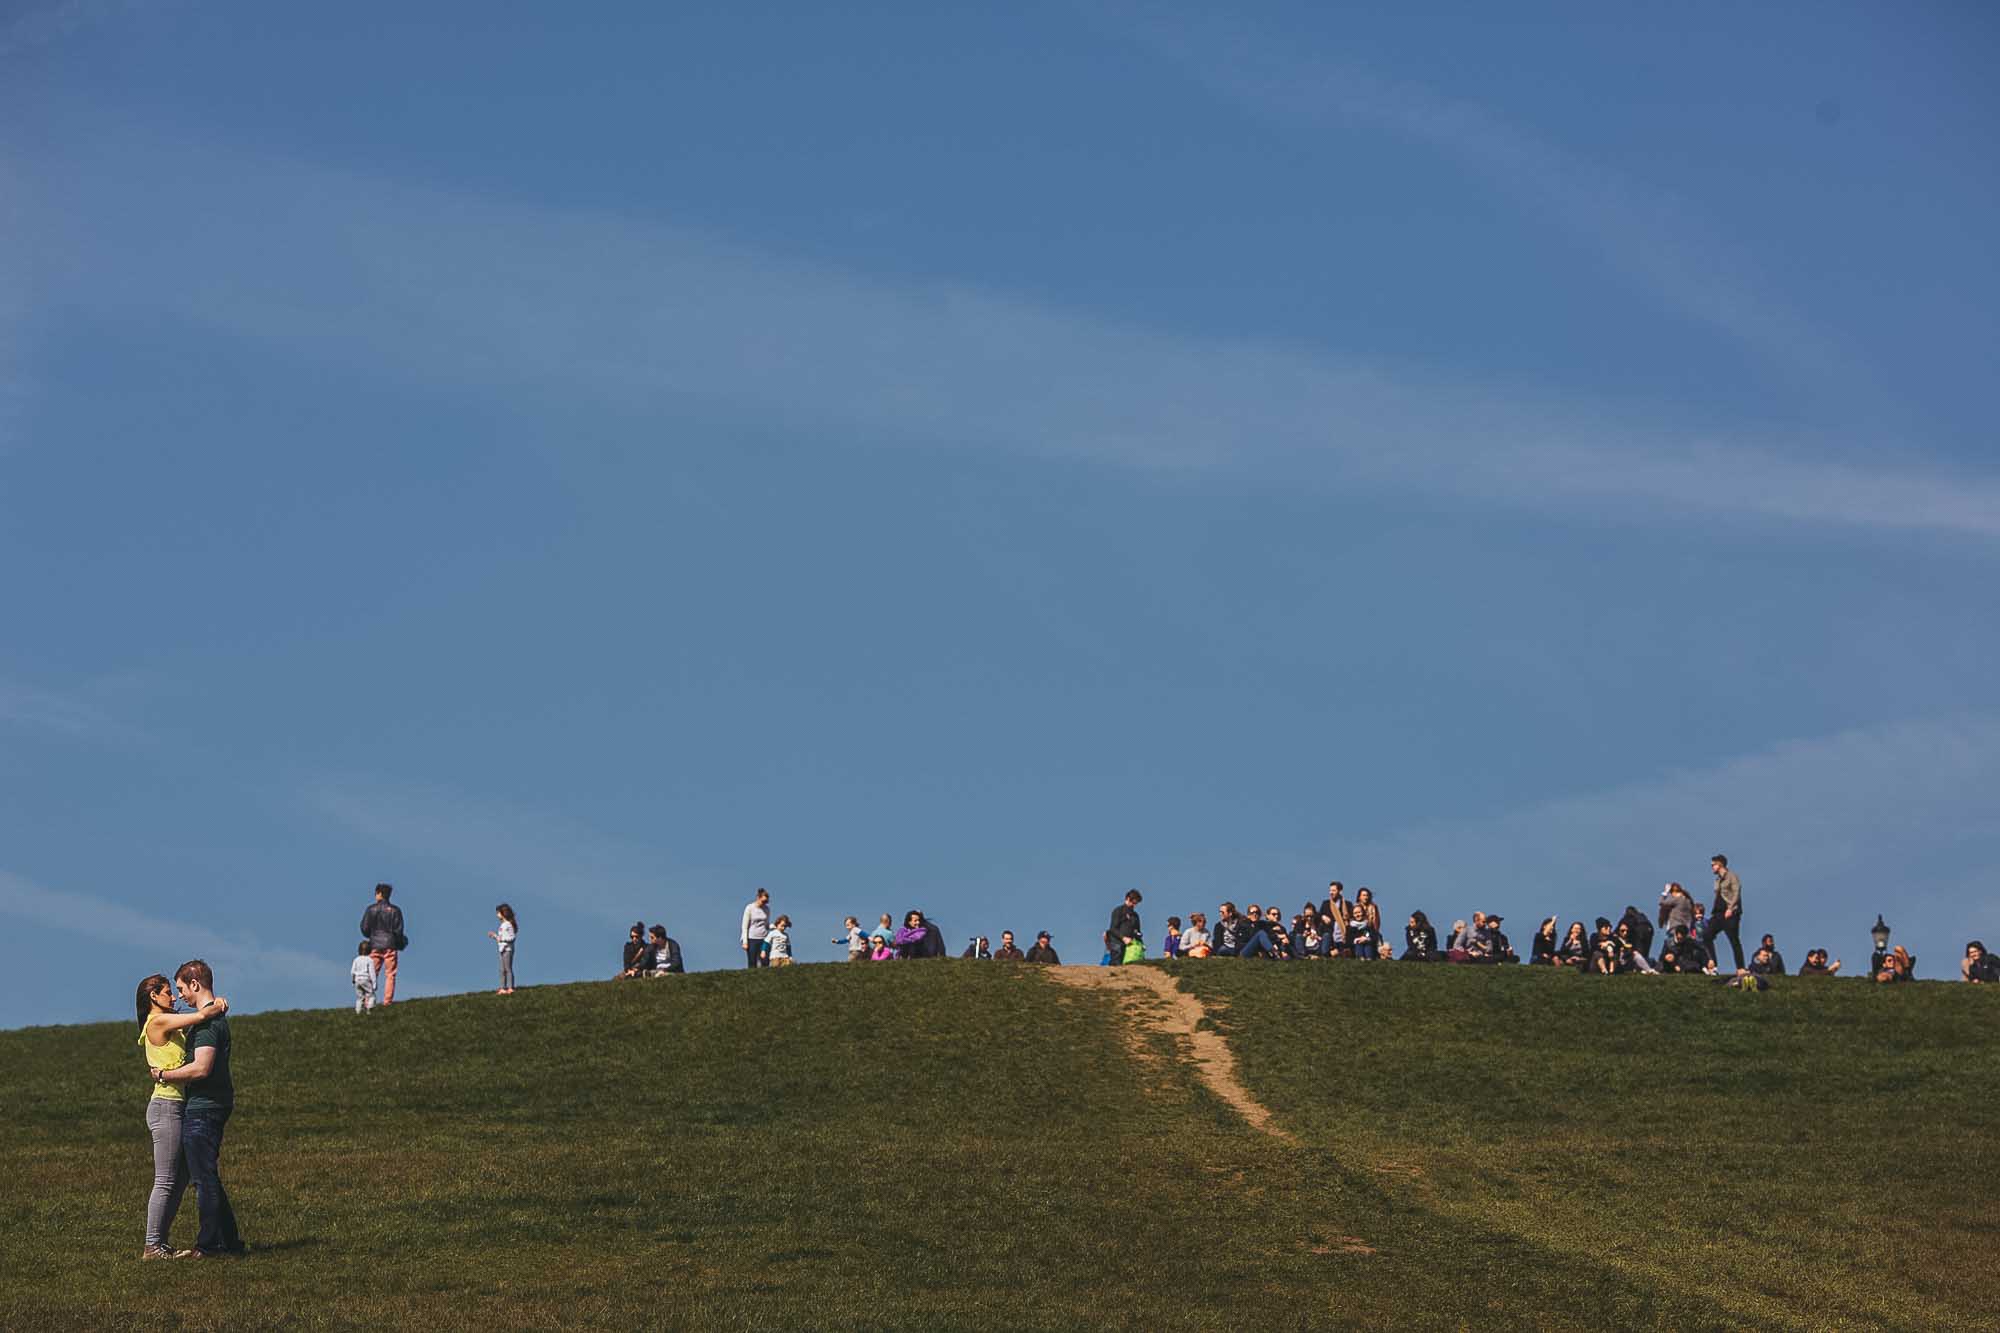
x: 1641, y: 930
x: 1364, y: 919
x: 1195, y: 941
x: 1764, y: 962
x: 1170, y: 946
x: 636, y: 963
x: 911, y: 936
x: 1631, y: 958
x: 1817, y: 966
x: 1420, y: 940
x: 980, y: 948
x: 1684, y: 953
x: 1899, y: 966
x: 879, y: 950
x: 1044, y: 950
x: 665, y: 952
x: 1008, y: 952
x: 1777, y: 963
x: 1494, y: 947
x: 1542, y: 949
x: 1979, y: 967
x: 1459, y: 948
x: 1312, y: 944
x: 1575, y: 948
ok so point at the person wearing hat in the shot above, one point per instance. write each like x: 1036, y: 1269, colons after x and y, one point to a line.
x: 1043, y: 951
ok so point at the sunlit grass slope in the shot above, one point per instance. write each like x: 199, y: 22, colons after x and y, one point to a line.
x: 956, y: 1145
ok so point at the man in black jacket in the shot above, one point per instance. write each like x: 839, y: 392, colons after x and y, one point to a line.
x: 1044, y: 951
x: 1683, y: 953
x: 382, y: 925
x: 1124, y: 927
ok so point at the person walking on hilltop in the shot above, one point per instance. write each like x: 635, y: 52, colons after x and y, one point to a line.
x: 382, y: 924
x: 1124, y: 927
x: 1726, y: 916
x: 210, y: 1097
x: 756, y: 929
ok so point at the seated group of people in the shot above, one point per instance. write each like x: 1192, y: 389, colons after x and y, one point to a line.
x: 650, y: 953
x: 1331, y: 928
x: 921, y: 937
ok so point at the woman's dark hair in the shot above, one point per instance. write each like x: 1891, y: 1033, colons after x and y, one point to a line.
x: 1423, y: 922
x: 639, y: 929
x: 146, y: 989
x: 912, y: 914
x: 1548, y: 928
x: 508, y: 914
x: 1174, y: 921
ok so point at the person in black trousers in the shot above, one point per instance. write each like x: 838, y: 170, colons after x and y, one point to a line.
x: 1726, y: 916
x: 1124, y: 927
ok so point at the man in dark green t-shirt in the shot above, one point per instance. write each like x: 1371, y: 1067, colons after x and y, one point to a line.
x: 211, y: 1096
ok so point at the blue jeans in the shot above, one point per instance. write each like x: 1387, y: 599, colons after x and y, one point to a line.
x: 201, y: 1144
x: 1258, y: 943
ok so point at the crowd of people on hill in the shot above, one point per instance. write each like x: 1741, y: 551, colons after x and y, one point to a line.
x: 1340, y: 927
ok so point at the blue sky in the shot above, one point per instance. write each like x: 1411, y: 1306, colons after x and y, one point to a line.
x: 984, y: 461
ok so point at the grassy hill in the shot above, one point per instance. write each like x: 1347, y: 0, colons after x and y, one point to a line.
x: 962, y: 1145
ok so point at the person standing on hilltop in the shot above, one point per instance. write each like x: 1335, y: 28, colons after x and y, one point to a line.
x: 756, y: 927
x: 1124, y: 927
x: 210, y: 1097
x: 382, y: 923
x: 1726, y: 916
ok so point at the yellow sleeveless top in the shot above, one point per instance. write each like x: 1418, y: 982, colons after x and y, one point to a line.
x: 170, y: 1056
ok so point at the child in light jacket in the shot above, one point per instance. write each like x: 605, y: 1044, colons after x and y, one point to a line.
x: 779, y: 942
x: 363, y: 974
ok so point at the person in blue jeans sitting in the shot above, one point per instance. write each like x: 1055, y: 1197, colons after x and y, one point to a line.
x: 210, y: 1098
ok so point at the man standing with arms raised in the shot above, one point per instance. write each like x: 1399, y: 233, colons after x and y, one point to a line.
x: 382, y: 923
x: 211, y: 1096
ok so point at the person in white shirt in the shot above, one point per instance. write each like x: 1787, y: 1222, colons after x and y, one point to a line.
x: 779, y: 938
x: 857, y: 943
x: 756, y: 925
x: 504, y: 936
x: 363, y: 975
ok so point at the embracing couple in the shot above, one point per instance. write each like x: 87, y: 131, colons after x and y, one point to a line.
x: 187, y: 1057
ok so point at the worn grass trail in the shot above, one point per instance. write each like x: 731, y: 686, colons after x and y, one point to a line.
x: 970, y: 1146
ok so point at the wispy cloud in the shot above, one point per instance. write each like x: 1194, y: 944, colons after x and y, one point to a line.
x: 529, y: 853
x: 505, y: 299
x: 1655, y: 239
x: 236, y: 958
x: 26, y: 706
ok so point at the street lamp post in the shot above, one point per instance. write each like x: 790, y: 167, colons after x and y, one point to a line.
x: 1880, y: 931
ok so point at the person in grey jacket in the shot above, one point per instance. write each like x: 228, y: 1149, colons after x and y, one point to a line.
x: 382, y: 925
x: 1676, y: 909
x: 1726, y: 916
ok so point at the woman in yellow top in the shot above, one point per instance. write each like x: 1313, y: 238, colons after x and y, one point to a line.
x: 163, y: 1038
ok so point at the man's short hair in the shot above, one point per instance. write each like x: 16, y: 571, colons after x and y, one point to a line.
x: 383, y: 891
x: 196, y: 971
x: 1134, y: 896
x: 1720, y: 860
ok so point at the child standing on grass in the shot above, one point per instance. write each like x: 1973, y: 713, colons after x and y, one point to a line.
x: 363, y: 974
x: 504, y: 936
x: 779, y: 942
x: 857, y: 943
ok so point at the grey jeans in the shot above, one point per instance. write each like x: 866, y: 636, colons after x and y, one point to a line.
x: 163, y: 1119
x: 506, y: 967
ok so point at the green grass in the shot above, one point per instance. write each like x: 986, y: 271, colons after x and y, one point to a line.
x: 961, y: 1146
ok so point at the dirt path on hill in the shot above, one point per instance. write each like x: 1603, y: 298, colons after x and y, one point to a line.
x: 1152, y: 1003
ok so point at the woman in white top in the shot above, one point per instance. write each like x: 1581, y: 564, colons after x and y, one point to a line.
x: 504, y: 936
x: 756, y: 925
